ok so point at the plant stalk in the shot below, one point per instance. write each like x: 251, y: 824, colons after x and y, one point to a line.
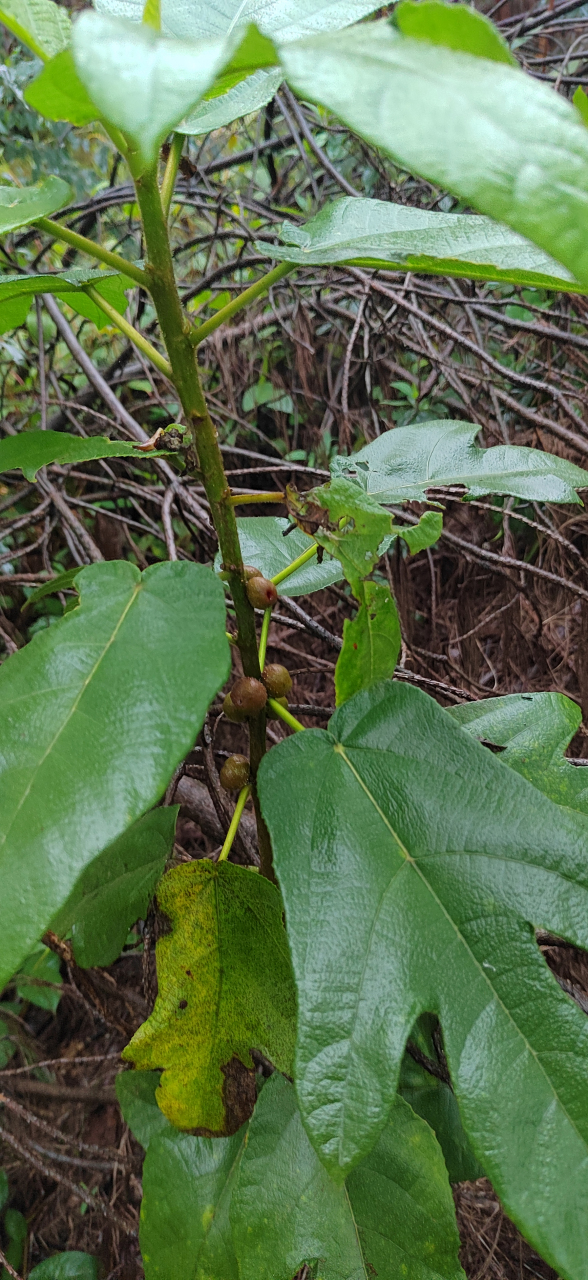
x: 171, y: 171
x: 84, y: 245
x: 130, y: 332
x: 235, y: 820
x: 186, y: 378
x: 255, y: 291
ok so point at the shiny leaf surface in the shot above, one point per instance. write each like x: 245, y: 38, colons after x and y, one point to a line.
x: 66, y: 1266
x: 21, y: 205
x: 43, y: 966
x: 263, y: 545
x: 225, y: 988
x: 97, y: 711
x: 115, y: 890
x: 414, y: 866
x: 395, y: 237
x: 502, y: 142
x: 404, y: 463
x: 371, y: 642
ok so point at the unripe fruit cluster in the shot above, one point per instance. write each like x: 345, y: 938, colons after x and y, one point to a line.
x: 277, y: 680
x: 247, y: 698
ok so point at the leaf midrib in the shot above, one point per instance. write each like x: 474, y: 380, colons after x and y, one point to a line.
x: 137, y: 587
x: 476, y: 963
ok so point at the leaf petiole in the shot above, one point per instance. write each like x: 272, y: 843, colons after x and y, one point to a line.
x: 265, y: 626
x: 256, y: 290
x: 296, y: 564
x: 239, y: 499
x: 285, y: 715
x: 235, y: 820
x: 93, y: 250
x: 130, y: 332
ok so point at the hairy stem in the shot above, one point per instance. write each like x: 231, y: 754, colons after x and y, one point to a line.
x: 93, y: 250
x: 175, y: 332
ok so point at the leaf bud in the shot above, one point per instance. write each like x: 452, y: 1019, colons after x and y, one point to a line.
x: 231, y: 711
x: 261, y: 593
x: 234, y: 774
x: 249, y: 696
x: 277, y: 680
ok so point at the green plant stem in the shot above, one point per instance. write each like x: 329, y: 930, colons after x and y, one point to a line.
x: 186, y: 378
x: 130, y: 332
x: 240, y: 499
x: 243, y: 300
x: 235, y: 820
x: 296, y: 564
x: 265, y: 626
x: 171, y: 171
x: 93, y: 250
x: 285, y: 715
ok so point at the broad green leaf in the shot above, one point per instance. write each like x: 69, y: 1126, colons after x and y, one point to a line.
x: 535, y: 729
x: 404, y: 463
x: 393, y: 1217
x: 424, y: 534
x: 187, y: 1188
x: 435, y: 1101
x: 43, y: 26
x: 501, y: 141
x: 371, y: 642
x: 70, y: 286
x: 21, y: 205
x: 455, y: 26
x: 44, y: 966
x: 135, y: 1091
x: 246, y: 96
x: 142, y: 82
x: 31, y: 450
x: 58, y: 93
x: 61, y: 582
x: 395, y: 237
x: 97, y: 711
x: 225, y: 988
x: 66, y: 1266
x: 580, y: 101
x: 13, y: 313
x: 115, y: 890
x: 15, y: 1230
x: 288, y: 19
x: 395, y: 830
x: 352, y: 526
x: 264, y: 545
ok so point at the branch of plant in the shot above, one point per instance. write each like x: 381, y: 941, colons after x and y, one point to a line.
x: 130, y: 332
x: 235, y: 820
x: 243, y: 300
x: 83, y: 245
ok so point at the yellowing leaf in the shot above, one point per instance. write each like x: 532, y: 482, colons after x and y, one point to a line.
x: 225, y: 988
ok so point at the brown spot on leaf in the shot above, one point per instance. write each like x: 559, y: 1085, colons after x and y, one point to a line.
x: 239, y: 1094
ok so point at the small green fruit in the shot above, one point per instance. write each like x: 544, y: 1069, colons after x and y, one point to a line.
x: 277, y: 680
x: 234, y: 774
x: 249, y: 696
x: 261, y: 593
x: 231, y: 711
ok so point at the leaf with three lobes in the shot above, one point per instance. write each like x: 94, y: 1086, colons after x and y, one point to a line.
x: 97, y: 711
x: 371, y: 642
x: 535, y: 729
x: 67, y: 1266
x: 43, y: 26
x: 395, y: 829
x: 349, y: 524
x: 263, y: 545
x: 455, y: 26
x: 31, y: 450
x: 502, y: 142
x: 225, y: 988
x: 116, y: 888
x: 403, y: 464
x: 21, y: 205
x: 58, y: 93
x: 394, y: 237
x: 435, y: 1101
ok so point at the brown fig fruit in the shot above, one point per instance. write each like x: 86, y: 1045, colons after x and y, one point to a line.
x: 277, y: 680
x: 249, y: 696
x: 273, y: 715
x: 261, y: 593
x: 234, y: 774
x: 249, y: 571
x: 231, y: 711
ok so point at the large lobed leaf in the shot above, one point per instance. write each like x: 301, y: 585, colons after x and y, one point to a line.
x: 259, y: 1205
x: 96, y: 713
x: 225, y: 987
x: 502, y: 142
x: 404, y: 463
x: 395, y: 237
x: 413, y: 867
x: 31, y: 450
